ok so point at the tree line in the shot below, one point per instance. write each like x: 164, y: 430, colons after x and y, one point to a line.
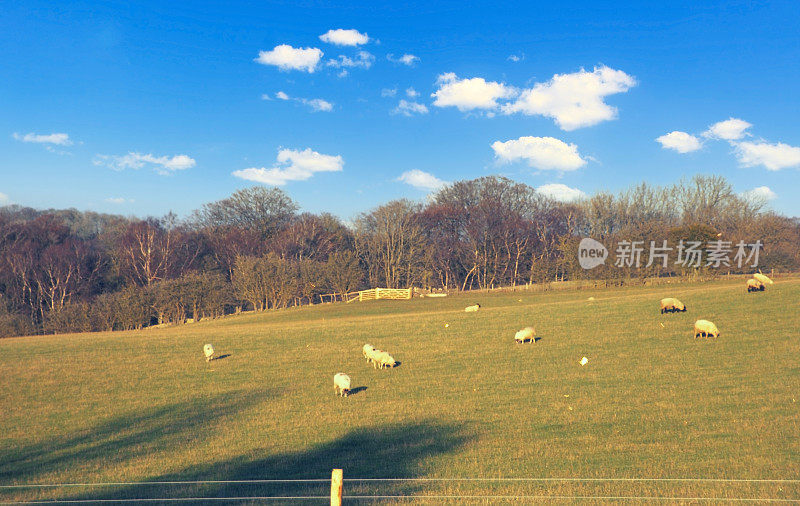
x: 66, y: 271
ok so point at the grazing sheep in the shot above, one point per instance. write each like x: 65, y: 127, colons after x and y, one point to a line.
x: 525, y: 334
x: 705, y: 328
x: 208, y: 350
x: 671, y: 304
x: 341, y: 384
x: 385, y: 360
x: 754, y: 285
x: 472, y: 308
x: 372, y: 355
x: 367, y: 350
x: 764, y: 279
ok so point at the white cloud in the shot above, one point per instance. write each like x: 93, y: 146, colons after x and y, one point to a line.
x: 421, y: 180
x: 341, y: 37
x: 761, y: 193
x: 574, y: 100
x: 406, y: 59
x: 516, y: 58
x: 364, y: 59
x: 4, y: 199
x: 561, y: 192
x: 286, y: 57
x: 544, y: 153
x: 388, y: 92
x: 281, y: 95
x: 161, y: 164
x: 680, y: 142
x: 729, y: 130
x: 468, y: 94
x: 411, y: 93
x: 317, y: 104
x: 775, y: 156
x: 119, y: 200
x: 409, y: 108
x: 59, y: 139
x: 292, y: 165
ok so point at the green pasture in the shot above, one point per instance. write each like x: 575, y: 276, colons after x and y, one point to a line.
x: 465, y: 401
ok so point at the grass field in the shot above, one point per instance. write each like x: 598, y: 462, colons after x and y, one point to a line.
x: 652, y: 402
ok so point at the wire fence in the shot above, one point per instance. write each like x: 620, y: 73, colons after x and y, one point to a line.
x: 359, y: 493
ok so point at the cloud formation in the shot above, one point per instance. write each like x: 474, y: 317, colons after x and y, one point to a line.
x: 421, y: 180
x: 4, y: 199
x: 411, y: 92
x: 341, y: 37
x: 680, y: 142
x: 388, y: 92
x: 119, y: 200
x: 364, y: 59
x: 59, y: 139
x: 561, y: 192
x: 409, y: 108
x: 544, y: 153
x: 773, y: 156
x: 729, y: 130
x: 292, y: 165
x: 760, y: 193
x: 469, y: 94
x: 163, y: 165
x: 316, y: 104
x: 281, y: 95
x: 286, y: 57
x: 574, y: 100
x: 406, y: 59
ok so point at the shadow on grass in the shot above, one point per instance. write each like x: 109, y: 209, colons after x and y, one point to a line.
x: 122, y: 438
x: 393, y: 451
x: 222, y: 356
x: 356, y: 390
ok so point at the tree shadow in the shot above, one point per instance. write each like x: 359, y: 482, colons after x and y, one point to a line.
x: 391, y: 451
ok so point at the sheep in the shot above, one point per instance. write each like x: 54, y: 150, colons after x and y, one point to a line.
x: 367, y: 351
x: 705, y: 328
x: 525, y: 334
x: 373, y: 355
x: 385, y: 360
x: 473, y: 308
x: 208, y: 350
x: 671, y: 304
x: 763, y: 278
x: 341, y: 384
x: 754, y: 285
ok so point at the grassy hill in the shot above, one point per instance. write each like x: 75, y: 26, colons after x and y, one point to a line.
x: 466, y: 402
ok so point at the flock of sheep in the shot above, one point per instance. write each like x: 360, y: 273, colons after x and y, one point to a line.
x: 705, y: 328
x: 382, y: 360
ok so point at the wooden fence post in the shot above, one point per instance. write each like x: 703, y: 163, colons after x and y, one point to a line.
x: 336, y: 487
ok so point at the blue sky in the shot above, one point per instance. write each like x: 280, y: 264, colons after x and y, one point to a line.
x: 150, y: 107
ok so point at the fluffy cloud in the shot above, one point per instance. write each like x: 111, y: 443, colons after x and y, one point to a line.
x: 161, y: 164
x: 760, y: 193
x: 775, y: 156
x: 286, y: 57
x: 574, y: 100
x: 292, y: 165
x: 680, y: 142
x: 406, y: 59
x: 421, y: 180
x: 281, y: 95
x: 364, y: 59
x: 317, y: 104
x: 4, y: 199
x: 119, y: 200
x: 409, y: 108
x: 342, y: 37
x: 516, y: 58
x: 468, y: 94
x: 57, y: 139
x: 544, y: 153
x: 729, y: 130
x: 412, y: 93
x: 560, y: 192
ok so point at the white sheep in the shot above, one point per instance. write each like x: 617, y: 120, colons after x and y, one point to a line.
x: 341, y: 384
x: 208, y: 350
x: 385, y: 360
x: 367, y: 351
x: 705, y: 328
x: 526, y: 334
x: 671, y: 305
x: 473, y: 308
x: 754, y: 285
x: 373, y: 355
